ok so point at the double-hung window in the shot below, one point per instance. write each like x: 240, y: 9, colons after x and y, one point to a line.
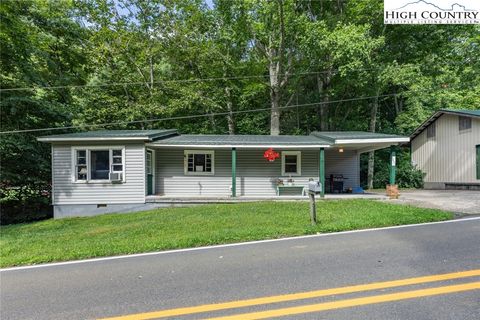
x: 291, y: 163
x: 98, y: 164
x: 199, y: 162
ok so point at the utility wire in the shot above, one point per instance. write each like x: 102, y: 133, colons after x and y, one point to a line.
x: 113, y: 84
x: 195, y: 116
x: 211, y: 114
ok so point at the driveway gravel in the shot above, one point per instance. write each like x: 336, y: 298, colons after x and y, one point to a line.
x: 461, y: 202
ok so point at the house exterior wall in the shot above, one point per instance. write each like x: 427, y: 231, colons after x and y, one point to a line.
x: 67, y: 192
x: 450, y: 156
x: 255, y: 175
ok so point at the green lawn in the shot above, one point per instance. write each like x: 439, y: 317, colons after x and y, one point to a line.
x: 161, y: 229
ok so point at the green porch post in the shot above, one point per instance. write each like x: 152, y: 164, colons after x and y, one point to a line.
x: 234, y: 172
x: 321, y: 171
x: 393, y: 165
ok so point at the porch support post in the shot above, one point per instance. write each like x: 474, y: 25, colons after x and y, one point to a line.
x: 234, y: 172
x: 393, y: 165
x: 321, y: 171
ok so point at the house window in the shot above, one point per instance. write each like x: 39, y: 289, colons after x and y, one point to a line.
x: 149, y: 163
x: 117, y: 160
x: 97, y: 164
x: 81, y: 165
x: 431, y: 130
x: 199, y: 162
x: 464, y: 123
x: 291, y: 163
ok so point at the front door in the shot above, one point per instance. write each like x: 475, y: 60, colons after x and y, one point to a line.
x: 149, y: 169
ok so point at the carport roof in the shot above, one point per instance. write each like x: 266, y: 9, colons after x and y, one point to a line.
x: 353, y: 137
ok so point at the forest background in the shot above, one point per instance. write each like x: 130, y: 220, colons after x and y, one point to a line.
x: 223, y: 67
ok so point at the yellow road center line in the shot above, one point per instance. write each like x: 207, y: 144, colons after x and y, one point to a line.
x: 296, y: 296
x: 352, y: 302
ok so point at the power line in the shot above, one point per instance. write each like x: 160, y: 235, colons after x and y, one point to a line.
x: 113, y: 84
x: 213, y: 114
x: 143, y: 82
x: 195, y: 116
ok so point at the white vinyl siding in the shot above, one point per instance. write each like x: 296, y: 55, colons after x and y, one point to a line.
x: 66, y: 191
x: 451, y: 156
x: 255, y: 175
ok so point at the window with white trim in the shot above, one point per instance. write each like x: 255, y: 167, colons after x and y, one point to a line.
x: 81, y: 165
x: 199, y: 162
x: 291, y: 163
x: 98, y: 164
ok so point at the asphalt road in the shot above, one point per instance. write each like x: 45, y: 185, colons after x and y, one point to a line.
x: 140, y: 284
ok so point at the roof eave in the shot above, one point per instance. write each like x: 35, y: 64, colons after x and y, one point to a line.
x: 242, y: 146
x: 437, y: 115
x: 91, y: 139
x: 372, y: 140
x: 425, y: 123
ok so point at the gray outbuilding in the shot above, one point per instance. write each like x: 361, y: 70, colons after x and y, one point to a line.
x: 446, y: 147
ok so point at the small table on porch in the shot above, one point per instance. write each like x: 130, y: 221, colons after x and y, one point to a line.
x: 283, y: 188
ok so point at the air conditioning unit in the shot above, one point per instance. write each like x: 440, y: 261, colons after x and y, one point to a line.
x: 116, y: 177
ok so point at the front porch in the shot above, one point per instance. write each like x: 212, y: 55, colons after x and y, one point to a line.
x: 226, y: 168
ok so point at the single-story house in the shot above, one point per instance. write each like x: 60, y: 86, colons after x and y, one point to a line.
x: 127, y: 170
x: 446, y: 147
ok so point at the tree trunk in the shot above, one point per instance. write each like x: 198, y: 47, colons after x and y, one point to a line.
x: 274, y: 69
x: 276, y: 56
x: 371, y: 154
x: 275, y: 112
x: 230, y: 119
x: 322, y: 110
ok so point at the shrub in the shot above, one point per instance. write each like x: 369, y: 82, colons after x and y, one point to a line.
x: 24, y: 204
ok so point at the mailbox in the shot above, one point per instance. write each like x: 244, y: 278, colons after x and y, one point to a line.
x: 315, y: 187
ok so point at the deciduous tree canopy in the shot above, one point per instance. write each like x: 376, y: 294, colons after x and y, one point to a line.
x: 308, y: 65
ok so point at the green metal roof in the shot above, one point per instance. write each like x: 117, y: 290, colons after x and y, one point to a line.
x: 473, y: 113
x: 247, y: 140
x: 172, y: 138
x: 147, y: 135
x: 335, y: 136
x: 436, y: 115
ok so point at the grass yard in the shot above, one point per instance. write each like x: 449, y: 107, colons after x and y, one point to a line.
x: 161, y: 229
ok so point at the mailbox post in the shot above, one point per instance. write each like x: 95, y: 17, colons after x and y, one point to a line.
x: 314, y: 187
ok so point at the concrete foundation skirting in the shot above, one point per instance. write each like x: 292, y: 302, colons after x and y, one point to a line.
x: 451, y: 186
x: 434, y: 186
x: 154, y: 202
x: 88, y: 210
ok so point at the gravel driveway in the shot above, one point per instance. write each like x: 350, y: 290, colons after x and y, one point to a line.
x: 458, y: 201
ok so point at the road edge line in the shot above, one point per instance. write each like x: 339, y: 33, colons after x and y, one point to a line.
x: 227, y: 245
